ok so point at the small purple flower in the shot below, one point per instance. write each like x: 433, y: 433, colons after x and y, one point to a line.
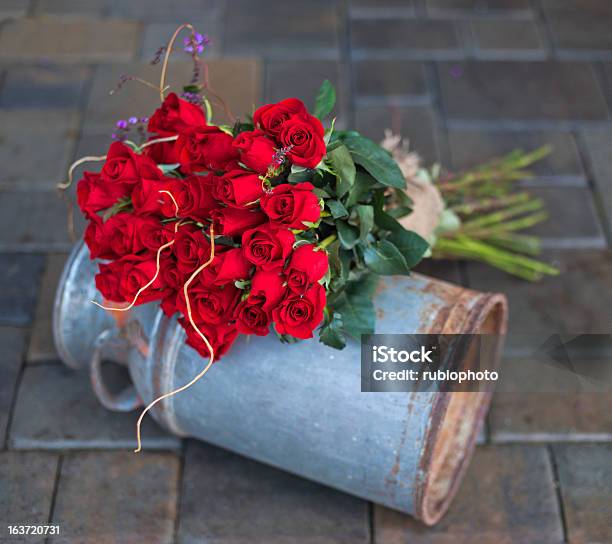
x: 144, y: 119
x: 196, y: 43
x: 122, y: 124
x: 133, y: 120
x: 114, y: 135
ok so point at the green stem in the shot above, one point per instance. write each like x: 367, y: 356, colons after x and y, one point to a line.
x: 327, y: 241
x: 498, y: 217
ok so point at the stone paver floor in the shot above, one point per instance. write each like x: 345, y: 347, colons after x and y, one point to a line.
x: 464, y: 80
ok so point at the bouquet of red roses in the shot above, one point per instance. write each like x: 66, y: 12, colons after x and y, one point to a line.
x: 273, y: 223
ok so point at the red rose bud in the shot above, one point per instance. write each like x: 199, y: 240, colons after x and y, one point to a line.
x: 239, y: 188
x: 193, y: 196
x: 168, y: 305
x: 228, y: 267
x: 191, y: 248
x: 256, y: 150
x: 292, y: 205
x: 205, y: 148
x: 121, y: 165
x: 267, y: 247
x: 146, y: 197
x: 303, y: 135
x: 209, y: 304
x: 234, y: 221
x: 252, y: 319
x: 94, y: 194
x: 162, y: 152
x: 299, y: 315
x: 270, y: 118
x: 221, y: 337
x: 154, y: 234
x: 267, y: 289
x: 175, y: 115
x: 98, y: 244
x: 307, y: 266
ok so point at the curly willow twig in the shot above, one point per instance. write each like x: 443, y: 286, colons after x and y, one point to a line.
x: 162, y: 79
x: 200, y: 333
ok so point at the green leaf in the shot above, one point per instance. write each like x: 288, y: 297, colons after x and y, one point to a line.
x: 385, y: 259
x: 347, y: 235
x: 410, y: 245
x: 375, y: 160
x: 337, y: 209
x: 331, y: 333
x: 344, y: 167
x: 165, y: 168
x: 364, y: 183
x: 357, y: 312
x: 366, y: 220
x: 325, y: 101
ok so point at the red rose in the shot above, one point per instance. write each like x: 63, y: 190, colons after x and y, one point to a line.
x: 234, y: 221
x: 209, y: 304
x: 146, y: 196
x: 221, y: 337
x: 205, y: 148
x: 95, y: 194
x: 270, y: 118
x: 239, y: 188
x: 256, y: 150
x: 98, y: 244
x: 174, y: 279
x: 174, y: 116
x: 291, y: 205
x: 162, y: 152
x: 266, y: 247
x: 228, y: 267
x: 303, y: 135
x: 307, y: 266
x: 120, y: 280
x: 193, y: 196
x: 299, y: 315
x: 153, y: 234
x: 267, y: 289
x: 252, y: 319
x: 168, y: 305
x: 191, y: 248
x: 120, y: 165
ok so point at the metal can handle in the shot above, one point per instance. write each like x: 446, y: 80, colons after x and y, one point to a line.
x: 124, y: 401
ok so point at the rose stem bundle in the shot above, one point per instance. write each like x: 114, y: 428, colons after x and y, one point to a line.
x: 491, y: 213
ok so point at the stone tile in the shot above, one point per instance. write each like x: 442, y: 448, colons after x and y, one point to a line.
x: 415, y: 123
x: 508, y: 495
x: 585, y: 475
x: 27, y: 481
x: 19, y: 278
x: 12, y: 344
x: 390, y: 79
x: 156, y: 35
x: 597, y: 147
x: 44, y: 86
x: 281, y: 29
x: 488, y: 91
x: 117, y: 497
x: 573, y: 221
x: 48, y: 232
x: 381, y: 8
x: 73, y: 8
x: 453, y: 8
x: 57, y: 409
x: 577, y: 301
x: 99, y: 41
x: 469, y: 148
x: 41, y: 345
x: 35, y: 153
x: 238, y: 81
x: 14, y: 8
x: 507, y: 39
x: 405, y: 38
x: 275, y: 507
x: 303, y: 79
x: 177, y: 11
x: 581, y: 25
x: 542, y: 417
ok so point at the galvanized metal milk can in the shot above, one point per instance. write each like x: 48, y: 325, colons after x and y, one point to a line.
x: 297, y: 407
